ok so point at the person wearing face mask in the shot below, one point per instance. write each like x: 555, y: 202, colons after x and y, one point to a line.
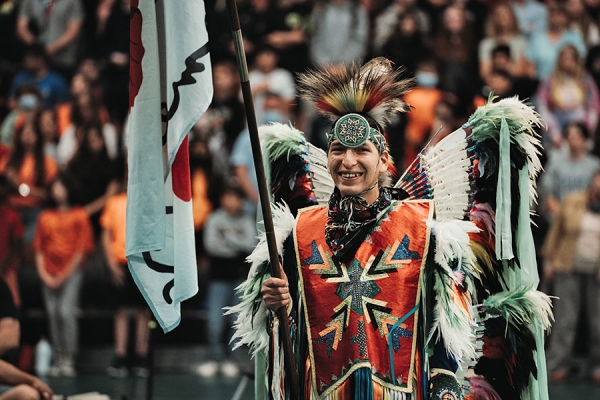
x: 373, y: 313
x: 423, y: 98
x: 275, y: 110
x: 267, y: 77
x: 28, y: 103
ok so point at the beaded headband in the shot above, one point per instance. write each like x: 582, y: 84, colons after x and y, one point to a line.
x: 353, y: 130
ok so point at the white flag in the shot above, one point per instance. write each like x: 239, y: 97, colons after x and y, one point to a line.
x: 170, y: 88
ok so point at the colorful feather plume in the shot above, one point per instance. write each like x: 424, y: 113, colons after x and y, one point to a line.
x: 298, y: 169
x: 508, y: 359
x: 485, y: 172
x: 374, y: 89
x: 522, y: 123
x: 521, y: 307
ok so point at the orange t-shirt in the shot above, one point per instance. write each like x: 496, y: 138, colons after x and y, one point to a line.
x: 113, y: 220
x: 62, y: 234
x: 201, y: 207
x: 419, y: 120
x: 27, y: 175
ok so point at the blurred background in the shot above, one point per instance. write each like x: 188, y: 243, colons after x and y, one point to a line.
x: 68, y: 309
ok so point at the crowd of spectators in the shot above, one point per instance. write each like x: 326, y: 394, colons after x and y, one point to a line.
x: 64, y: 98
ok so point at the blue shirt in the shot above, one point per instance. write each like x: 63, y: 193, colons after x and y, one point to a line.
x: 532, y: 17
x: 241, y: 156
x: 52, y: 85
x: 544, y: 53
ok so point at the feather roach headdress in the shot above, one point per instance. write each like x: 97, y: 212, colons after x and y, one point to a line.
x: 353, y: 94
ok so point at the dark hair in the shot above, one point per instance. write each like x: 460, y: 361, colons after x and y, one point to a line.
x: 428, y: 63
x: 18, y: 153
x: 266, y: 48
x: 501, y: 49
x: 28, y: 88
x: 76, y: 116
x: 72, y: 186
x: 559, y: 6
x: 271, y: 93
x: 83, y: 155
x: 5, y: 188
x: 51, y: 111
x: 228, y: 64
x: 233, y: 187
x: 585, y: 132
x: 410, y: 15
x: 36, y: 50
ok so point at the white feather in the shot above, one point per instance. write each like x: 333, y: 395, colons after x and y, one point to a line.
x: 249, y: 329
x: 323, y: 185
x: 453, y: 243
x: 544, y: 306
x: 459, y: 339
x: 451, y: 320
x: 275, y: 129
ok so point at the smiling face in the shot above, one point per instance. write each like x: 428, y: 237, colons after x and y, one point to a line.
x: 356, y: 169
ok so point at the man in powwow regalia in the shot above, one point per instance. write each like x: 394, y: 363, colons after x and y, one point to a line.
x: 422, y: 289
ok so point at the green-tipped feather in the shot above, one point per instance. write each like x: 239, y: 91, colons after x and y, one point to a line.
x: 521, y: 306
x: 282, y: 140
x: 522, y: 122
x: 451, y: 321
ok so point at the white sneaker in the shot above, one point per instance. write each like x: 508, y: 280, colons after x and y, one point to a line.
x: 55, y: 371
x: 207, y: 369
x: 67, y: 369
x: 229, y: 369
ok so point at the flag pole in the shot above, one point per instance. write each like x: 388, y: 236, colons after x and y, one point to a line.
x: 263, y: 192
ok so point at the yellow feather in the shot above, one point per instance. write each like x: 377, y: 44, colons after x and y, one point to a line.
x: 361, y: 99
x: 483, y: 258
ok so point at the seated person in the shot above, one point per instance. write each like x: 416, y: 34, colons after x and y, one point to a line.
x: 19, y: 385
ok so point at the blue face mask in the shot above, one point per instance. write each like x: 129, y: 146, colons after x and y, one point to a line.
x: 426, y: 79
x: 274, y: 116
x: 28, y: 101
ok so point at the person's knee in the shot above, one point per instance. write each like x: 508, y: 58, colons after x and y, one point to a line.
x: 22, y: 392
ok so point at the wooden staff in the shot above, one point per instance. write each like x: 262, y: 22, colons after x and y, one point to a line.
x: 263, y: 193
